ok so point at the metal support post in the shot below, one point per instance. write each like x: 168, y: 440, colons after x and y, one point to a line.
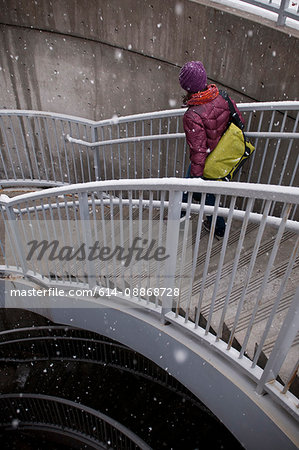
x: 96, y: 153
x: 86, y: 232
x: 282, y: 345
x: 284, y: 4
x: 15, y: 234
x: 172, y: 238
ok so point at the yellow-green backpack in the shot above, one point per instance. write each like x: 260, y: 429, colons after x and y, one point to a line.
x: 231, y: 151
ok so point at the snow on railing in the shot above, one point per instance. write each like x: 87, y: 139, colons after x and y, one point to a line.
x: 88, y: 426
x: 44, y: 149
x: 62, y: 218
x: 283, y: 12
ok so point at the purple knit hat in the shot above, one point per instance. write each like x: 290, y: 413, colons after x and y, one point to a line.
x: 193, y: 77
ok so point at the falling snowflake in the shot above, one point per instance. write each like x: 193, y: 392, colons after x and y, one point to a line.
x: 179, y: 7
x: 118, y: 55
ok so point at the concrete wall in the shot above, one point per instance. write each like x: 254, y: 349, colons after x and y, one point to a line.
x: 257, y: 421
x: 96, y: 58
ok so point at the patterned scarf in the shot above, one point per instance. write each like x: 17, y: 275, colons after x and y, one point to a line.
x: 204, y: 96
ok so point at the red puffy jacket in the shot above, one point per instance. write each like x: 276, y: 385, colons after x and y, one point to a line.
x: 204, y: 125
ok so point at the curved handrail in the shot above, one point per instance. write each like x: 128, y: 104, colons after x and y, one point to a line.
x: 278, y: 12
x: 86, y: 425
x: 44, y: 149
x: 291, y: 105
x: 91, y: 211
x: 98, y: 350
x: 86, y: 203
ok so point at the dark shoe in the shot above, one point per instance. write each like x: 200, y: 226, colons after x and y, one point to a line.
x: 219, y: 230
x: 207, y: 224
x: 219, y: 233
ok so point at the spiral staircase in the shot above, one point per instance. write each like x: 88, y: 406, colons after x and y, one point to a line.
x: 220, y: 316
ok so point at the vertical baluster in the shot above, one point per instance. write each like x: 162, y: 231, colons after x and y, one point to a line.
x: 130, y: 195
x: 112, y: 237
x: 103, y: 223
x: 151, y: 149
x: 175, y: 150
x: 150, y: 237
x: 34, y: 152
x: 142, y: 151
x: 79, y: 151
x: 283, y: 343
x: 41, y: 146
x: 249, y: 271
x: 266, y: 275
x: 45, y: 121
x: 62, y: 240
x: 95, y: 230
x: 248, y: 125
x: 37, y: 221
x: 3, y: 237
x: 135, y: 158
x: 89, y: 170
x: 207, y: 260
x: 8, y: 150
x: 58, y: 150
x: 184, y: 251
x: 286, y: 159
x: 160, y: 235
x: 127, y: 153
x: 79, y: 237
x: 281, y: 18
x: 24, y: 147
x: 66, y: 154
x: 33, y: 234
x: 4, y: 165
x: 140, y: 233
x: 235, y: 267
x: 86, y: 230
x: 104, y: 155
x: 159, y: 149
x: 277, y: 147
x: 265, y: 150
x: 58, y: 413
x: 9, y: 234
x: 111, y: 154
x: 221, y: 261
x: 121, y: 235
x: 45, y: 225
x: 73, y: 153
x: 118, y: 149
x: 184, y: 159
x: 287, y: 274
x: 70, y: 233
x: 16, y: 147
x: 95, y: 154
x: 172, y: 238
x: 167, y: 148
x: 195, y: 253
x: 56, y: 238
x: 253, y: 157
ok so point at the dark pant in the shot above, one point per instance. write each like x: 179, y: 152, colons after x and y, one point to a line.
x: 210, y: 201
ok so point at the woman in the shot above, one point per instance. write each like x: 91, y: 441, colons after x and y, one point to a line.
x: 205, y: 121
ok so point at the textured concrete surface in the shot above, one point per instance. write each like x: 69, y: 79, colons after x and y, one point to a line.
x: 99, y: 58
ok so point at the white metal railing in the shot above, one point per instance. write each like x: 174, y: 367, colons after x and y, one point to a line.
x: 45, y: 149
x: 86, y: 425
x: 280, y: 10
x: 57, y: 343
x: 108, y: 213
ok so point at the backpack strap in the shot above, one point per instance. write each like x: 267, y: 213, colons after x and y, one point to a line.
x: 235, y: 116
